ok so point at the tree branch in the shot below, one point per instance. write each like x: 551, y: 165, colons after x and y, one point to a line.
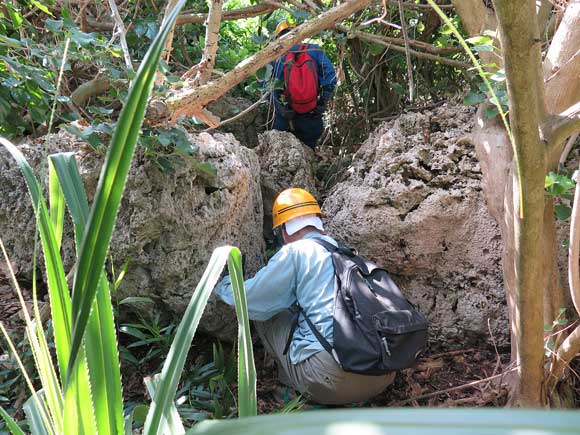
x: 381, y: 40
x: 407, y: 51
x: 420, y: 7
x: 236, y: 14
x: 562, y: 65
x: 168, y: 46
x: 558, y: 128
x: 212, y: 32
x: 242, y: 113
x: 571, y: 345
x: 122, y: 33
x: 190, y: 101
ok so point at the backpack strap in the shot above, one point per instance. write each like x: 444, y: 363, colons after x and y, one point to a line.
x: 296, y: 311
x: 329, y: 246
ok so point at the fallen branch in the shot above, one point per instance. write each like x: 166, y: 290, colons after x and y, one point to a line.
x: 452, y: 389
x: 99, y: 85
x: 242, y: 113
x: 384, y: 42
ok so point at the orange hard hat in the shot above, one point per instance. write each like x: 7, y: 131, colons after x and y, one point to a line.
x: 293, y: 203
x: 283, y: 25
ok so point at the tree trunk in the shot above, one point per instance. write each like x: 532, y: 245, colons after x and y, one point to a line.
x: 192, y: 101
x: 522, y: 59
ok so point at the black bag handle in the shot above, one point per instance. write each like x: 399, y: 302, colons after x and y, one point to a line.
x: 296, y: 311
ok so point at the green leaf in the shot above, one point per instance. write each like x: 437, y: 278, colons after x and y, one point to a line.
x: 483, y: 48
x: 137, y: 415
x: 34, y: 415
x: 473, y: 98
x: 10, y: 42
x: 563, y: 212
x: 480, y: 40
x: 15, y: 15
x: 56, y: 204
x: 136, y: 300
x: 55, y: 26
x: 58, y: 290
x: 247, y: 404
x: 491, y: 112
x: 101, y: 339
x: 110, y: 188
x: 171, y: 422
x: 173, y: 367
x: 415, y: 421
x: 41, y: 6
x: 10, y: 423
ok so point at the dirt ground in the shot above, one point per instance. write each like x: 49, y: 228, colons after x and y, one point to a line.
x: 438, y: 380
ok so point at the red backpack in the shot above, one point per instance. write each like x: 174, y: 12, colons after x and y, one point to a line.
x: 301, y: 80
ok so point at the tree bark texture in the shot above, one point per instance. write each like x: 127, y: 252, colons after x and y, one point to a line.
x: 562, y: 63
x: 522, y: 58
x: 192, y: 101
x: 212, y: 33
x: 168, y: 46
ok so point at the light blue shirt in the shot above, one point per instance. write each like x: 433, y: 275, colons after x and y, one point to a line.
x: 300, y: 273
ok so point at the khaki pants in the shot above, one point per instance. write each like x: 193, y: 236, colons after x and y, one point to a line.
x: 319, y: 377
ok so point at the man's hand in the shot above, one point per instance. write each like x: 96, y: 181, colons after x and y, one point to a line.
x: 325, y: 97
x: 284, y: 111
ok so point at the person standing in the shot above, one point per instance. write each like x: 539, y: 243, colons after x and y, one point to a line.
x: 309, y: 80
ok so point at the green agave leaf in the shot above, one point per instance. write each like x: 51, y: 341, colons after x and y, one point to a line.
x: 110, y: 188
x: 137, y: 415
x: 56, y: 204
x: 173, y: 367
x: 101, y: 340
x: 247, y: 403
x: 400, y: 422
x: 10, y: 423
x: 60, y: 303
x: 34, y: 415
x: 78, y: 415
x: 173, y: 424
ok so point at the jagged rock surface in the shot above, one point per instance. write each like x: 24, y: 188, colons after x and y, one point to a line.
x: 413, y: 203
x: 285, y: 162
x: 168, y: 224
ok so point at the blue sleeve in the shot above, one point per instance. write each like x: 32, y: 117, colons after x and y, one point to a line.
x: 270, y: 291
x: 326, y: 72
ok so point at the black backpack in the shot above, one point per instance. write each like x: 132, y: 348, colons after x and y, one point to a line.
x: 376, y: 329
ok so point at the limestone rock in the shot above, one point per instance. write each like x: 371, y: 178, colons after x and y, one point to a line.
x: 168, y: 223
x: 284, y: 162
x: 247, y: 127
x: 412, y: 202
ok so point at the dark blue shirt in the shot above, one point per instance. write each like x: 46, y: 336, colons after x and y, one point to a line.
x: 325, y: 69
